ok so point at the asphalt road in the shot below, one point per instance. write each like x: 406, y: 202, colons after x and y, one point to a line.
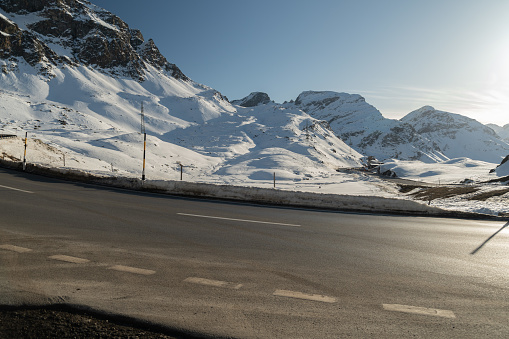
x: 240, y: 270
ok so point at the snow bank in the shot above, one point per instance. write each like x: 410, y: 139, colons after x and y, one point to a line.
x: 503, y: 169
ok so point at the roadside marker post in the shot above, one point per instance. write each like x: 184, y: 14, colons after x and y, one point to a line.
x: 144, y: 152
x: 25, y: 154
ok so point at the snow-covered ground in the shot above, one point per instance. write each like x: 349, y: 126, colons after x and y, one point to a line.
x: 465, y: 171
x: 452, y: 171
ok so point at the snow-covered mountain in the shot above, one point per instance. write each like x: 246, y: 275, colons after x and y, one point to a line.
x: 364, y: 128
x: 426, y: 134
x: 502, y: 132
x: 75, y: 76
x: 458, y: 136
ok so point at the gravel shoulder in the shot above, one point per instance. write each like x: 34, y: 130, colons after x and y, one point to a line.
x: 61, y: 321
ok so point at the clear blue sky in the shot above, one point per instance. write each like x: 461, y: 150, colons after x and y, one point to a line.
x: 399, y: 54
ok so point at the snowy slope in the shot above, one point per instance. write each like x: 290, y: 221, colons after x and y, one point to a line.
x: 258, y: 141
x: 503, y: 170
x: 458, y: 136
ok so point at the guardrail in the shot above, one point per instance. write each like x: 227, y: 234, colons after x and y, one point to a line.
x: 7, y: 136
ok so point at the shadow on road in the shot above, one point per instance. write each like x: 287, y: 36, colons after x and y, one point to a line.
x: 487, y: 240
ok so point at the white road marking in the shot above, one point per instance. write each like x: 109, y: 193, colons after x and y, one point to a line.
x: 215, y: 283
x: 129, y: 269
x: 15, y: 248
x: 15, y: 189
x: 419, y: 310
x: 305, y: 296
x: 243, y: 220
x: 70, y: 259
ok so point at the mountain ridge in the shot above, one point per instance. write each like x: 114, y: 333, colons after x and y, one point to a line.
x: 410, y: 138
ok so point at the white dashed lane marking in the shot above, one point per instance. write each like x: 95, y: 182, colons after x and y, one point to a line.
x: 129, y: 269
x: 15, y: 248
x: 242, y: 220
x: 419, y: 310
x: 70, y: 259
x: 215, y: 283
x: 305, y: 296
x: 15, y: 189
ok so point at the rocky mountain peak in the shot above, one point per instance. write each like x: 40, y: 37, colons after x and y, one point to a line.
x: 323, y: 99
x: 457, y: 135
x: 428, y: 120
x: 253, y: 99
x: 82, y: 33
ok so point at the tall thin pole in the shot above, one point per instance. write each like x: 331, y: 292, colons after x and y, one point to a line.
x: 25, y: 154
x: 144, y: 152
x: 142, y: 119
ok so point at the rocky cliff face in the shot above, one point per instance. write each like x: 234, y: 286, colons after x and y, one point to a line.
x: 82, y: 33
x: 15, y: 42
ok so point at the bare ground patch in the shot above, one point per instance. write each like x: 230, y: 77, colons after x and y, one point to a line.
x: 65, y: 322
x: 441, y: 192
x: 444, y: 192
x: 486, y: 195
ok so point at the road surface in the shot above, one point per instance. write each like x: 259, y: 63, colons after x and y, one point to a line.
x: 240, y: 270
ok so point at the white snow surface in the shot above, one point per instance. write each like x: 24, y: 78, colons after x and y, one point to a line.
x: 503, y: 170
x: 452, y: 171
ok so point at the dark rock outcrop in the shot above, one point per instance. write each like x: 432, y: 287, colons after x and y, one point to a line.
x: 91, y: 35
x: 253, y: 99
